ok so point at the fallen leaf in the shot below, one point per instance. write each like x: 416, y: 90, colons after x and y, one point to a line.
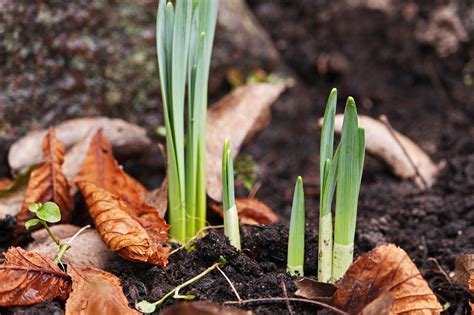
x: 238, y: 116
x: 158, y: 198
x: 27, y: 278
x: 95, y: 292
x: 380, y: 141
x: 314, y: 290
x: 5, y: 183
x: 47, y: 183
x: 126, y: 138
x: 387, y: 268
x: 120, y: 230
x: 203, y: 308
x: 88, y: 248
x: 380, y: 306
x: 101, y: 169
x: 464, y: 270
x: 251, y: 211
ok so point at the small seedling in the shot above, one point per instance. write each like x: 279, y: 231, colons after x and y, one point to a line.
x: 297, y: 231
x: 149, y: 307
x: 246, y: 169
x: 231, y: 217
x: 49, y: 212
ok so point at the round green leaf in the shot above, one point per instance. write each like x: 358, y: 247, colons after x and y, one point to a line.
x: 49, y: 212
x: 31, y: 223
x: 145, y: 307
x: 33, y: 207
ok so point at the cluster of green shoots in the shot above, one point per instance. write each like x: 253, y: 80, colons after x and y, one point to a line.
x: 184, y: 40
x: 49, y: 212
x: 340, y: 172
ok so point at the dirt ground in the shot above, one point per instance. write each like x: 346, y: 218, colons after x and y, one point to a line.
x: 410, y: 60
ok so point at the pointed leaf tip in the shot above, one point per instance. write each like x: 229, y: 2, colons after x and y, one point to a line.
x: 350, y: 101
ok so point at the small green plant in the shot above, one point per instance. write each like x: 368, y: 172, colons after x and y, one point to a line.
x: 246, y: 169
x: 184, y: 45
x: 297, y: 232
x: 49, y: 212
x: 340, y: 171
x: 149, y: 307
x: 231, y: 217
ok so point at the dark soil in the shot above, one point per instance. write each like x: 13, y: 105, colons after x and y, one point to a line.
x: 373, y: 54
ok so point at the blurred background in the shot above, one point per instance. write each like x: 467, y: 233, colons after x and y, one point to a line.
x: 410, y: 60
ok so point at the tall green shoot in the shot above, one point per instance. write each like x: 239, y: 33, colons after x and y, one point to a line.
x: 328, y: 168
x: 231, y: 217
x: 297, y: 232
x: 349, y: 174
x: 184, y: 44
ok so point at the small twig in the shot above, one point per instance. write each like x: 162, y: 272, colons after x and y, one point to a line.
x: 196, y: 236
x: 255, y: 188
x: 77, y: 233
x: 285, y: 294
x: 230, y: 283
x: 279, y: 299
x: 389, y: 127
x: 64, y: 247
x: 441, y: 269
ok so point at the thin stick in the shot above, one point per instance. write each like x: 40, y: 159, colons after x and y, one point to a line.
x: 255, y: 188
x: 230, y: 283
x: 78, y: 232
x: 278, y: 299
x: 440, y: 269
x: 285, y: 294
x: 387, y: 124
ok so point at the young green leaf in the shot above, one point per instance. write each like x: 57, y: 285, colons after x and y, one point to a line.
x: 297, y: 232
x: 49, y: 212
x: 34, y: 207
x: 31, y: 222
x: 349, y: 174
x: 231, y: 218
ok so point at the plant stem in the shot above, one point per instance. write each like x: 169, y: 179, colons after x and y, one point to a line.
x: 297, y: 232
x: 55, y: 239
x: 342, y: 259
x: 64, y: 247
x: 147, y: 307
x: 325, y: 248
x: 231, y: 217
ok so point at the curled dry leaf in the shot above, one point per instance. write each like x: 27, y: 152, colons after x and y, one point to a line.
x: 126, y: 138
x: 238, y: 116
x: 47, y: 183
x: 203, y: 308
x: 101, y: 169
x: 158, y: 198
x: 251, y: 211
x: 27, y: 278
x: 95, y: 292
x: 314, y: 290
x: 464, y: 270
x: 380, y: 306
x: 120, y: 230
x: 387, y: 268
x: 393, y: 147
x: 88, y: 247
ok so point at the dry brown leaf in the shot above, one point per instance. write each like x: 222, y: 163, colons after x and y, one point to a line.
x: 101, y: 169
x: 387, y: 268
x: 158, y: 198
x: 203, y: 308
x: 464, y: 270
x: 381, y: 142
x: 380, y: 306
x: 131, y: 237
x: 88, y: 247
x: 238, y: 116
x: 96, y: 292
x: 27, y: 278
x: 314, y: 290
x: 251, y: 211
x: 5, y: 183
x: 47, y: 183
x: 126, y: 138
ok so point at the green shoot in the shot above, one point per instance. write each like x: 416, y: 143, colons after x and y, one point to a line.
x: 327, y: 169
x: 349, y: 174
x: 246, y: 170
x: 231, y: 217
x: 184, y: 44
x: 149, y: 307
x: 297, y: 232
x: 49, y: 212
